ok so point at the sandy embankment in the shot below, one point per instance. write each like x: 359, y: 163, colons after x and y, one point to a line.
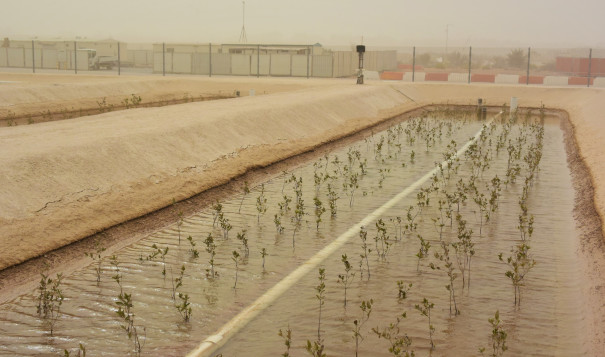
x: 62, y: 181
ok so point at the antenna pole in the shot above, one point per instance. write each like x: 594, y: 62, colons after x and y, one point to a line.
x: 242, y: 37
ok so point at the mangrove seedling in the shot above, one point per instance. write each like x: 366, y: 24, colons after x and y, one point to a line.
x: 316, y: 348
x: 236, y: 259
x: 321, y: 297
x: 299, y: 213
x: 184, y: 307
x: 126, y: 313
x: 448, y: 267
x: 465, y: 251
x: 332, y: 198
x: 261, y: 203
x: 425, y: 310
x: 382, y: 240
x: 217, y: 211
x: 211, y: 249
x: 287, y: 336
x: 319, y: 210
x: 423, y: 251
x: 353, y: 185
x: 278, y: 227
x: 399, y: 343
x: 246, y: 191
x: 520, y: 263
x: 263, y: 254
x: 366, y: 311
x: 403, y: 289
x: 96, y: 255
x: 241, y: 236
x: 113, y: 260
x: 194, y: 252
x: 81, y: 352
x: 284, y: 207
x: 50, y: 299
x: 225, y: 226
x: 497, y: 338
x: 162, y: 253
x: 363, y: 235
x: 346, y: 278
x: 177, y: 282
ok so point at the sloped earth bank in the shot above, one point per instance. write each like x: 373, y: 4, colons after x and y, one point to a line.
x: 552, y: 319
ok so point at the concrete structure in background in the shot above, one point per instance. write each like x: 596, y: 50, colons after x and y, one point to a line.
x: 266, y: 60
x: 54, y: 54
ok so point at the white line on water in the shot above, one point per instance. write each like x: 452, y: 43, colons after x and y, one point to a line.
x: 215, y: 341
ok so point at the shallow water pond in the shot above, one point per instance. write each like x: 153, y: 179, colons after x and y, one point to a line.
x: 366, y: 175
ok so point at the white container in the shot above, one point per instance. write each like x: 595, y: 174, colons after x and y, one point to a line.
x: 513, y: 104
x: 252, y: 92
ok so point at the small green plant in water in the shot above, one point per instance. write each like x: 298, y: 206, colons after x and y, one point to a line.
x: 194, y: 252
x: 399, y: 343
x: 50, y: 299
x: 423, y: 251
x: 236, y: 259
x: 162, y: 253
x: 126, y: 313
x: 241, y: 236
x: 425, y: 310
x: 319, y: 210
x: 263, y: 254
x: 96, y: 256
x: 366, y: 311
x: 520, y: 263
x: 261, y: 203
x: 363, y: 235
x: 81, y: 352
x: 497, y: 338
x: 316, y: 348
x: 211, y: 249
x: 347, y: 278
x: 403, y: 289
x: 287, y: 336
x: 246, y: 191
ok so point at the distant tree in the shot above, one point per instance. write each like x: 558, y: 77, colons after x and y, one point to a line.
x: 456, y: 59
x: 423, y: 59
x: 517, y: 58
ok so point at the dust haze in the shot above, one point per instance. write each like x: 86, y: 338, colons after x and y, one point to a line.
x: 538, y: 23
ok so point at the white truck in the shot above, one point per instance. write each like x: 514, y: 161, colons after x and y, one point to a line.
x: 98, y: 62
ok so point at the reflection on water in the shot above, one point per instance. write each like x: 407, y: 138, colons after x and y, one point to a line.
x: 548, y: 322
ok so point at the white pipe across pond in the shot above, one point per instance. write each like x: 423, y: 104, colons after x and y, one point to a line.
x: 215, y: 341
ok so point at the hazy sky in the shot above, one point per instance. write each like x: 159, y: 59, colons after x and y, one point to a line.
x: 553, y: 23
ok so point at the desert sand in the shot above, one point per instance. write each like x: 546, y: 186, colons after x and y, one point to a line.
x: 65, y: 180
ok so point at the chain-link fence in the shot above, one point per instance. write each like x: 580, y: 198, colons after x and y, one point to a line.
x: 563, y: 66
x: 578, y: 66
x: 175, y: 58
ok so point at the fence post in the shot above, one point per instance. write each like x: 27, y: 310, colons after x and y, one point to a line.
x: 33, y: 58
x: 210, y: 60
x: 257, y: 61
x: 528, y: 59
x: 413, y: 63
x: 163, y: 58
x: 308, y: 53
x: 589, y: 67
x: 75, y: 57
x: 119, y: 63
x: 470, y: 56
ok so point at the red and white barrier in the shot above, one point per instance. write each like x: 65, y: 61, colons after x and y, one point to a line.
x: 492, y: 78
